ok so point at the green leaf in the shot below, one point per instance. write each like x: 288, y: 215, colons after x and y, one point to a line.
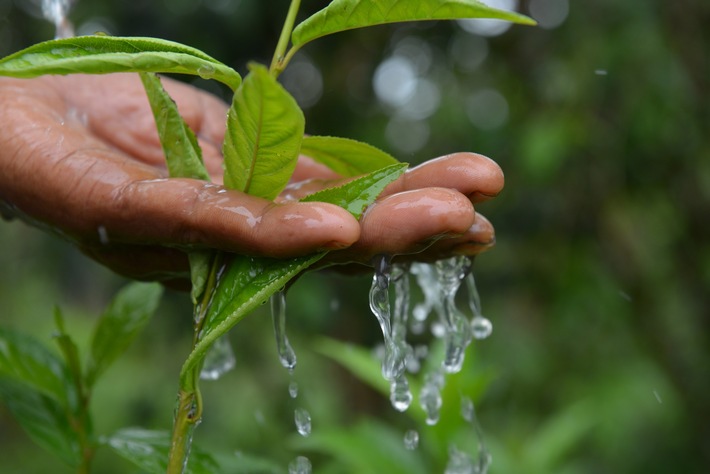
x: 71, y: 355
x: 341, y: 15
x: 345, y: 156
x: 356, y: 195
x: 42, y: 417
x: 108, y: 54
x: 25, y: 359
x: 248, y: 282
x: 264, y: 131
x: 127, y: 314
x: 182, y: 152
x: 149, y: 451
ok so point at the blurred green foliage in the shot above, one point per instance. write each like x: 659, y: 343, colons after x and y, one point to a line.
x: 599, y: 287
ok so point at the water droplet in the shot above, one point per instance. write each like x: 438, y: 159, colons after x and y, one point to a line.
x: 300, y: 465
x: 287, y: 356
x: 430, y: 396
x: 468, y: 412
x: 467, y: 409
x: 400, y: 394
x: 450, y: 273
x: 411, y: 440
x: 293, y: 389
x: 394, y: 327
x: 460, y: 463
x: 481, y: 327
x: 303, y: 421
x: 219, y: 360
x: 206, y: 71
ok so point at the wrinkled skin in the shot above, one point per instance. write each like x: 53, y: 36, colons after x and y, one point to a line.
x: 80, y: 155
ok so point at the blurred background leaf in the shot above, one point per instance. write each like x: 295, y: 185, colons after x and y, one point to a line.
x: 598, y: 288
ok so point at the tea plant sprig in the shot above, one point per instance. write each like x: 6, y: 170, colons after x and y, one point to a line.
x: 264, y: 138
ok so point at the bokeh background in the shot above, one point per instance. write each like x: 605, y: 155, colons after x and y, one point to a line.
x: 598, y: 288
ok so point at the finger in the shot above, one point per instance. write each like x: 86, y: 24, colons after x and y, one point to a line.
x: 473, y: 175
x: 479, y: 238
x: 190, y: 212
x: 408, y: 222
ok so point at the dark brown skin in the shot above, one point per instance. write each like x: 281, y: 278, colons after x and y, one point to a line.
x: 80, y: 154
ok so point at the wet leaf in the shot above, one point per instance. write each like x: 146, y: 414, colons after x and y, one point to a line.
x: 356, y: 195
x: 149, y: 451
x: 127, y: 314
x: 25, y: 359
x: 341, y: 15
x: 264, y: 131
x: 183, y: 156
x: 345, y: 156
x: 109, y: 54
x: 42, y: 417
x: 248, y: 282
x: 182, y: 152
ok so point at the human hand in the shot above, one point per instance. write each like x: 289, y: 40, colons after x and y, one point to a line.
x: 80, y: 155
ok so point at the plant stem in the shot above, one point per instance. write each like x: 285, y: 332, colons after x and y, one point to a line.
x: 189, y: 409
x: 185, y: 422
x: 279, y: 62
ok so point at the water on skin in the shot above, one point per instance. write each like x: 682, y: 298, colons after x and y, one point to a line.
x: 219, y: 360
x: 56, y: 11
x: 287, y: 356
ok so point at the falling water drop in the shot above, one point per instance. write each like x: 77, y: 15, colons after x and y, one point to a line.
x: 480, y: 325
x: 427, y: 280
x: 303, y: 421
x: 430, y: 396
x: 219, y: 360
x: 458, y: 329
x: 287, y: 356
x: 393, y: 331
x: 460, y: 463
x: 468, y: 413
x: 411, y: 440
x: 400, y: 394
x: 56, y: 11
x: 300, y: 465
x: 293, y: 389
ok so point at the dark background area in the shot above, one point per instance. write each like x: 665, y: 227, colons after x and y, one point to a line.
x: 598, y: 288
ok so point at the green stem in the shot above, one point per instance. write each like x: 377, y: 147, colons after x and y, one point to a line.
x: 189, y: 408
x: 279, y: 62
x: 185, y: 422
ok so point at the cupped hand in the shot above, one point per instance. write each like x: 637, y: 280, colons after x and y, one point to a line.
x: 80, y: 155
